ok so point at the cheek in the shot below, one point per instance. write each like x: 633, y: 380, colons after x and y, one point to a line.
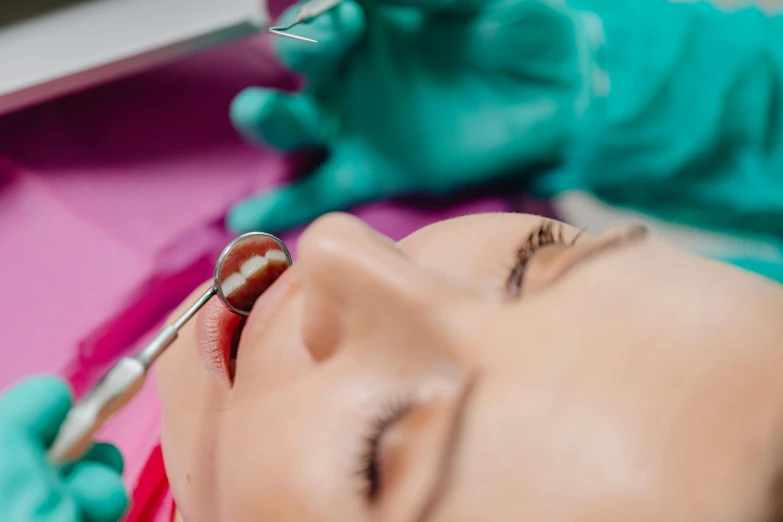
x: 293, y: 455
x: 261, y: 458
x: 190, y: 419
x: 188, y: 441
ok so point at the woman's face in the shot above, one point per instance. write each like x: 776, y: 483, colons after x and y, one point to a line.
x: 493, y: 367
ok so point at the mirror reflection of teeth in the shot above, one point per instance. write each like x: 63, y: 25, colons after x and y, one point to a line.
x: 231, y: 283
x: 276, y: 256
x: 253, y: 265
x: 249, y: 268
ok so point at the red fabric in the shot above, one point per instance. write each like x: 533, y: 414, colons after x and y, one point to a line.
x: 151, y: 489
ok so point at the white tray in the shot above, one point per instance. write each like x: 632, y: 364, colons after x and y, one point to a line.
x: 82, y: 43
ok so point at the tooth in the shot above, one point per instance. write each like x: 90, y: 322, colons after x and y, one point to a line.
x: 231, y: 283
x: 276, y: 256
x: 252, y: 265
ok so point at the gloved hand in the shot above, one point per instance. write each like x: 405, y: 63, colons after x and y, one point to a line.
x: 431, y: 97
x: 31, y: 488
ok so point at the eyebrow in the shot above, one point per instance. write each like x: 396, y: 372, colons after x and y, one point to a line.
x: 446, y: 466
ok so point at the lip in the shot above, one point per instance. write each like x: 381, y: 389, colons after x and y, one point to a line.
x: 216, y: 325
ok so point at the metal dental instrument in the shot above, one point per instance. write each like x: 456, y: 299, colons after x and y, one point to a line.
x: 306, y: 14
x: 245, y: 269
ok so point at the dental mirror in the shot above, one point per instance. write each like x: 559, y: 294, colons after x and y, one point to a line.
x: 247, y: 267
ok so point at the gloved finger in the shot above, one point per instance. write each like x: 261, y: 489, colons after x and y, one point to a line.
x: 336, y: 31
x: 99, y: 492
x: 37, y: 406
x: 546, y: 38
x: 282, y: 120
x: 28, y: 482
x: 340, y: 183
x: 99, y: 453
x: 107, y: 454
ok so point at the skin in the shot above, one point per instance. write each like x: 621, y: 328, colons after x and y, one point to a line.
x: 630, y: 382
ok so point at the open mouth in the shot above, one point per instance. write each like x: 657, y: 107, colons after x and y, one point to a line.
x: 219, y: 330
x: 250, y: 272
x: 243, y: 283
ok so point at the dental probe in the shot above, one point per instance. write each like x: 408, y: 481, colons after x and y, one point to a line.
x: 307, y: 13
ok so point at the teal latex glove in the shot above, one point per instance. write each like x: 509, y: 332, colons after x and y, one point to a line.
x: 431, y: 97
x: 691, y: 129
x: 768, y: 269
x: 31, y: 488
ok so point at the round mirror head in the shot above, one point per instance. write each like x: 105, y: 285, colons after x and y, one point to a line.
x: 247, y: 267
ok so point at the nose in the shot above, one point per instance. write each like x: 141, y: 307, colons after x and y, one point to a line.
x: 361, y: 289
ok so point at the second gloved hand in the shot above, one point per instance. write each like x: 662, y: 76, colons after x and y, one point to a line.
x: 428, y: 99
x: 34, y: 490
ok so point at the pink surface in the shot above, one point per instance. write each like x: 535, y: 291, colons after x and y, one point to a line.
x: 111, y: 209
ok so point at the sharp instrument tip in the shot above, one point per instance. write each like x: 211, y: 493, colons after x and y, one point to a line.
x: 281, y: 31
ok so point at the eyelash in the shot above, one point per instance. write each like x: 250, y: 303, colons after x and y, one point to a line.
x: 545, y: 234
x: 390, y: 414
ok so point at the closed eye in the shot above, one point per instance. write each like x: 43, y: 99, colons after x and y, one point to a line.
x: 547, y: 233
x: 369, y: 469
